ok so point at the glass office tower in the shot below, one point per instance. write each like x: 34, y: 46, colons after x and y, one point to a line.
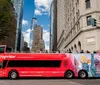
x: 18, y: 6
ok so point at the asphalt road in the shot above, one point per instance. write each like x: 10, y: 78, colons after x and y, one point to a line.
x: 51, y: 81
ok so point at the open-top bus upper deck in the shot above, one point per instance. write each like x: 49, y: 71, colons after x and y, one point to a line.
x: 28, y: 56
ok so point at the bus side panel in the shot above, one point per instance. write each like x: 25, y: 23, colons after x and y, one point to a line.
x: 71, y: 63
x: 84, y: 62
x: 97, y: 64
x: 40, y: 72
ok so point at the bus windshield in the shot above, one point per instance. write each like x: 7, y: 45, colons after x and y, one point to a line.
x: 1, y: 65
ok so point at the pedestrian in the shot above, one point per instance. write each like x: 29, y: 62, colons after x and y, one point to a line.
x: 82, y: 51
x: 94, y: 52
x: 70, y: 51
x: 87, y: 51
x: 58, y: 51
x: 46, y: 51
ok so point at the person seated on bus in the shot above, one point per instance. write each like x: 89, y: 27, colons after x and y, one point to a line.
x: 9, y: 49
x: 82, y: 51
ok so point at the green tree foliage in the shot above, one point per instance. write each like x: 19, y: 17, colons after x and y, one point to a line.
x: 7, y: 19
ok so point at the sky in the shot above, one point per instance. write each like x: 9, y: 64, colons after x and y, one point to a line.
x: 41, y: 10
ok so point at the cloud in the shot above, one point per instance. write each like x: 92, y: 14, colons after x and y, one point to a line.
x: 38, y: 12
x: 42, y: 25
x: 46, y: 38
x: 27, y: 36
x: 24, y: 22
x: 47, y: 47
x: 43, y: 6
x: 46, y: 35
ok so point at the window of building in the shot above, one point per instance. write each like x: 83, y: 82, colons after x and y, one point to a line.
x: 73, y: 10
x: 76, y: 5
x: 75, y: 29
x: 89, y: 20
x: 78, y: 13
x: 73, y: 2
x: 71, y: 25
x: 79, y: 45
x: 77, y: 1
x: 74, y: 21
x: 78, y: 25
x: 88, y: 3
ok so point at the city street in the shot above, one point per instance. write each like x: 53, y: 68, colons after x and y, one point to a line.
x: 45, y: 81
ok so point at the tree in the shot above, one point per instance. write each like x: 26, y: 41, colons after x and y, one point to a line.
x: 7, y: 19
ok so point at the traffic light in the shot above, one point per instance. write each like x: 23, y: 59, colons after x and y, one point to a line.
x: 94, y: 22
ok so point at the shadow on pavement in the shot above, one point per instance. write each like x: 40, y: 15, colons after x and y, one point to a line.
x: 49, y: 78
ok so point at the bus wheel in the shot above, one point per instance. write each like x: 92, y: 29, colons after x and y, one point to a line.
x: 82, y: 74
x: 69, y: 74
x: 13, y: 74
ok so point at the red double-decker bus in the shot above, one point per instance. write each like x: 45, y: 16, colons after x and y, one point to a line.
x: 14, y: 65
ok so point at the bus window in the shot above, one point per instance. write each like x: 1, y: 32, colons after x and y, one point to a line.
x: 1, y: 64
x: 34, y: 63
x: 2, y: 49
x: 4, y: 63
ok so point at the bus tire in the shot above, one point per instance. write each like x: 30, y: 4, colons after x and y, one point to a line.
x: 69, y: 74
x: 13, y: 74
x: 83, y: 74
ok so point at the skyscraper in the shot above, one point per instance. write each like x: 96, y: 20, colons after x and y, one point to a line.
x: 38, y: 42
x: 18, y: 6
x: 53, y: 26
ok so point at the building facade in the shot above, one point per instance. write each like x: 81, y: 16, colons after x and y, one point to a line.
x: 18, y: 6
x: 22, y: 42
x: 75, y: 29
